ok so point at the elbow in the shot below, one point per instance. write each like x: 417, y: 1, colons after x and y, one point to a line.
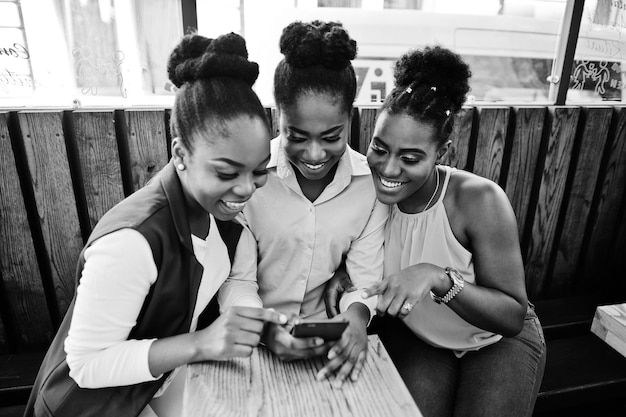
x: 516, y: 323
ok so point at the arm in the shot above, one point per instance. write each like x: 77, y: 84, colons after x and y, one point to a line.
x: 498, y: 301
x: 241, y: 288
x: 118, y: 272
x: 483, y: 221
x: 364, y: 265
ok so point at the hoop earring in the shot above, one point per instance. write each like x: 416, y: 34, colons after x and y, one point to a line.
x: 181, y: 167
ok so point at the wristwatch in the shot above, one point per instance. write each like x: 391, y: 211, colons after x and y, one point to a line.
x: 457, y: 285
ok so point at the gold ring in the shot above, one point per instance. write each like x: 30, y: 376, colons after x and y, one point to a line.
x: 407, y: 306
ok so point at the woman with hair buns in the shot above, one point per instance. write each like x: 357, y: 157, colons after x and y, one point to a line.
x: 319, y: 206
x: 146, y: 279
x: 468, y: 342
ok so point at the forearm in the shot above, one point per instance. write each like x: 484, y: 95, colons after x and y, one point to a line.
x: 171, y: 352
x: 486, y: 308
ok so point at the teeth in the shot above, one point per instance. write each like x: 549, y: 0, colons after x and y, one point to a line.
x: 311, y: 166
x: 234, y: 206
x: 390, y: 184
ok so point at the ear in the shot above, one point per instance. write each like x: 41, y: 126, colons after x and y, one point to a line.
x: 179, y: 151
x: 443, y: 150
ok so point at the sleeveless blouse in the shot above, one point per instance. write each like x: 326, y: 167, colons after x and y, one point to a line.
x: 427, y: 237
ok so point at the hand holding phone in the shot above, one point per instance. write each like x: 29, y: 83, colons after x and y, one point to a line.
x: 327, y: 330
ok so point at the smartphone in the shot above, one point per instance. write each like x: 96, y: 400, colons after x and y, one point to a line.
x: 327, y: 330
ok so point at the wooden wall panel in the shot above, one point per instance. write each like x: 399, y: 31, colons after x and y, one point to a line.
x: 490, y: 142
x: 147, y: 144
x: 461, y: 138
x: 366, y: 128
x: 564, y: 121
x: 48, y: 165
x: 580, y: 197
x: 529, y: 124
x: 25, y: 308
x: 275, y: 122
x: 99, y: 161
x: 4, y: 346
x: 607, y: 205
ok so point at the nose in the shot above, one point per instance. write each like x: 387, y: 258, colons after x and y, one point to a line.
x: 390, y: 168
x: 245, y: 186
x: 314, y: 152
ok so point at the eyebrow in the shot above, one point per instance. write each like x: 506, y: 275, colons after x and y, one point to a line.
x: 235, y: 163
x: 326, y: 132
x: 402, y: 150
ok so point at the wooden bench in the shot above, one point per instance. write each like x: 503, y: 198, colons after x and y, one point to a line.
x: 563, y: 168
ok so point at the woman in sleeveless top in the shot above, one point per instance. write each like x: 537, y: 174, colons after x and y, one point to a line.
x: 456, y: 318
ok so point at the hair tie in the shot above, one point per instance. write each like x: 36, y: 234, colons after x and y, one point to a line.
x: 408, y: 90
x: 434, y: 88
x: 448, y: 113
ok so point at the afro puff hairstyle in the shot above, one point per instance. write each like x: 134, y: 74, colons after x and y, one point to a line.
x: 214, y: 78
x: 430, y: 86
x: 317, y: 60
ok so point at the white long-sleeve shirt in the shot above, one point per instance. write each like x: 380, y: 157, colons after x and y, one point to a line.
x: 118, y: 272
x: 300, y: 244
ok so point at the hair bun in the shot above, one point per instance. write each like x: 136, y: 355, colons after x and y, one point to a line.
x: 435, y: 67
x: 326, y: 43
x: 197, y: 57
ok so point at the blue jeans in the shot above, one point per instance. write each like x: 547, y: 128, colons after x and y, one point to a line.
x: 502, y: 379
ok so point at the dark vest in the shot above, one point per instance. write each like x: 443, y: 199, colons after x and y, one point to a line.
x: 158, y: 212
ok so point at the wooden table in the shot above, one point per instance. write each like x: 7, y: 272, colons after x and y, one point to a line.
x: 609, y: 324
x: 264, y: 386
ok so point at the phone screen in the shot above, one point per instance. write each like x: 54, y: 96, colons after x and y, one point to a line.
x: 327, y: 330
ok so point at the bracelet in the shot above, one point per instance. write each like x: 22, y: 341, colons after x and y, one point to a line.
x: 457, y: 285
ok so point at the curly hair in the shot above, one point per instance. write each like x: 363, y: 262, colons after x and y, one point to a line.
x: 317, y: 59
x: 430, y: 86
x: 215, y: 81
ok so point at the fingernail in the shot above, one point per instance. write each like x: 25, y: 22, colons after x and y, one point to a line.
x: 354, y: 378
x: 331, y: 354
x: 337, y: 383
x: 321, y: 375
x: 319, y: 341
x: 282, y: 318
x: 364, y: 294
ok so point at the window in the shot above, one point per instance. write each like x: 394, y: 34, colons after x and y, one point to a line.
x: 114, y: 52
x: 599, y: 70
x: 86, y: 52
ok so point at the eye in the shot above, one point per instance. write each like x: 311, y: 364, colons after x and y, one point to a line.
x: 411, y: 159
x: 296, y: 139
x: 260, y: 172
x: 332, y: 138
x: 226, y: 177
x: 377, y: 149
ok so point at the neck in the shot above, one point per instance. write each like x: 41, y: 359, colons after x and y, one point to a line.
x: 313, y: 188
x: 423, y: 198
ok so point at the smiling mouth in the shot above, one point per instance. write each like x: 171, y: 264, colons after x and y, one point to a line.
x: 233, y: 205
x: 314, y: 167
x: 390, y: 184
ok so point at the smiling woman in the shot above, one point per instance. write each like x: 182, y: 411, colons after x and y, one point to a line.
x: 319, y: 206
x: 145, y: 305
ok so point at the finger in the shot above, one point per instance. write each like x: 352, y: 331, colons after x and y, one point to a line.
x: 373, y: 290
x: 241, y: 351
x: 395, y: 306
x: 383, y: 303
x: 246, y: 338
x: 358, y: 366
x: 264, y: 314
x: 344, y: 371
x: 331, y: 302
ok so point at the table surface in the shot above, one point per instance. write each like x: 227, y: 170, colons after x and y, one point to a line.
x: 264, y: 386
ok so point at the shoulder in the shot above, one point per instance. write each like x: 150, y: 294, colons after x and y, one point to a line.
x: 358, y: 162
x: 477, y: 202
x: 477, y: 197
